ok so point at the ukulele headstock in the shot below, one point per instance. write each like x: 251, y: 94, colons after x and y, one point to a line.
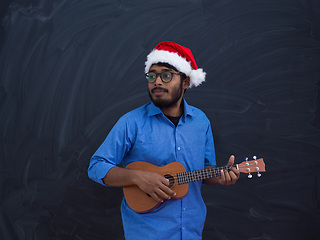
x: 255, y: 165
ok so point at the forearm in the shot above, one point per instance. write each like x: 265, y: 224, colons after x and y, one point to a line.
x: 151, y: 183
x: 119, y: 177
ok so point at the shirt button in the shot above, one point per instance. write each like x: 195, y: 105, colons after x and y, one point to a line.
x: 184, y: 209
x: 178, y: 148
x: 182, y: 228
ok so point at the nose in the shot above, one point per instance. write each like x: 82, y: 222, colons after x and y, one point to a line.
x: 158, y: 81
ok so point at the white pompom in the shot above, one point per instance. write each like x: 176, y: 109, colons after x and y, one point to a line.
x: 197, y: 77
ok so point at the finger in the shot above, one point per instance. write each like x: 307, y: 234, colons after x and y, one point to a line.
x: 168, y: 190
x: 231, y: 160
x: 165, y: 181
x: 156, y: 197
x: 223, y: 177
x: 235, y: 171
x: 161, y: 194
x: 227, y: 177
x: 233, y: 177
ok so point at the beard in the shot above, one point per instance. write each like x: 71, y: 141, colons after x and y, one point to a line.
x: 166, y: 103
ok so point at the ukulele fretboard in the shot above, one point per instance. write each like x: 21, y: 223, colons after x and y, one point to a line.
x: 186, y: 177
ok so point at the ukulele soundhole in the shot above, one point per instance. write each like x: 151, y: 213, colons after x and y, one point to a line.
x: 170, y: 178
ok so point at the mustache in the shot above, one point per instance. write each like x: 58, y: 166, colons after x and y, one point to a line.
x: 159, y: 88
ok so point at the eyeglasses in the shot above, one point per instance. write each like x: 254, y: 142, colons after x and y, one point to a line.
x: 165, y: 76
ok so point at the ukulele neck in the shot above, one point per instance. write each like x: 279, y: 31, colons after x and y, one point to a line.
x: 192, y: 176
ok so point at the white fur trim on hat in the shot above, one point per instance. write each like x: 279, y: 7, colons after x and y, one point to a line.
x: 180, y: 63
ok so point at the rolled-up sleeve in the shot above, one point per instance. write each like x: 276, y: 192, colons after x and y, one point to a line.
x: 210, y: 155
x: 112, y: 150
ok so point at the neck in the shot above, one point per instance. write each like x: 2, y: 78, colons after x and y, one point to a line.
x: 175, y: 110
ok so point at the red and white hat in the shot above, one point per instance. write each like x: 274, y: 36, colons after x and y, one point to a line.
x: 178, y: 56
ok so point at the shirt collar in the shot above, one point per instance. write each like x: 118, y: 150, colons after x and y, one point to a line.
x: 153, y: 110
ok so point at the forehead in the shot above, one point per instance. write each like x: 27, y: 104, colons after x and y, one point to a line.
x: 158, y: 68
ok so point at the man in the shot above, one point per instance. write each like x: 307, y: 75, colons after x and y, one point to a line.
x: 165, y: 130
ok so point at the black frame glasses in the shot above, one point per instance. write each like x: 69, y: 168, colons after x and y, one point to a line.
x: 165, y: 76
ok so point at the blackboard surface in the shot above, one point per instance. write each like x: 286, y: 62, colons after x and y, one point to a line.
x: 70, y: 69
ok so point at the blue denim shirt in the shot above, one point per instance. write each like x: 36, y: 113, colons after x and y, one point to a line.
x: 146, y: 134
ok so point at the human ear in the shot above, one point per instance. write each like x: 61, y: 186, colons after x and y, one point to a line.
x: 186, y: 82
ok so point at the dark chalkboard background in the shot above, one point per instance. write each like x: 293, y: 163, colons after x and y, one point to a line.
x: 70, y: 69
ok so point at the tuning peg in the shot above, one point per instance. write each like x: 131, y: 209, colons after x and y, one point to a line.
x: 249, y: 175
x: 255, y: 157
x: 259, y: 174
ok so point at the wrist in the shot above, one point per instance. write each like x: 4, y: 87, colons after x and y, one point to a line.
x: 134, y: 176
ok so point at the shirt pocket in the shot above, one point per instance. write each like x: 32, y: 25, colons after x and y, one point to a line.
x: 155, y: 147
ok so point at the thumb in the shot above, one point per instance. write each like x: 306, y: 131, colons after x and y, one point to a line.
x: 231, y: 160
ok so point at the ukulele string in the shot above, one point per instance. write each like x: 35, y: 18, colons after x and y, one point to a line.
x: 185, y: 177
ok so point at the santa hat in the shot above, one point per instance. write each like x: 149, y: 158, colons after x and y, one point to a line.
x: 178, y: 56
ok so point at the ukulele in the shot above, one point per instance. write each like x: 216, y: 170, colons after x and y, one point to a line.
x: 175, y: 172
